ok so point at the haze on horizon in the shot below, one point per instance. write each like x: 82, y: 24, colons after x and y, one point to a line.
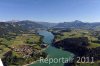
x: 50, y: 10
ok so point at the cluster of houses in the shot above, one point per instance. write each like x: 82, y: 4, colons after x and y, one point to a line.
x: 24, y: 50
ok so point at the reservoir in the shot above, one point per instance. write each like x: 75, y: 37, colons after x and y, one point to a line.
x: 52, y: 51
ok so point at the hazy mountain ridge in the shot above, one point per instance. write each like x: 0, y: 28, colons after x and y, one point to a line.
x: 18, y: 27
x: 78, y: 24
x: 26, y: 25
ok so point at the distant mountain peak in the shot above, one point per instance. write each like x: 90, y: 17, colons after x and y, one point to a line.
x: 77, y: 21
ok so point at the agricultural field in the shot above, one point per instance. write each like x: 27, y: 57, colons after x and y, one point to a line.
x: 24, y: 39
x: 22, y: 49
x: 93, y: 40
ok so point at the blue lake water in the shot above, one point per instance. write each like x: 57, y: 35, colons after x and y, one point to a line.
x: 52, y: 51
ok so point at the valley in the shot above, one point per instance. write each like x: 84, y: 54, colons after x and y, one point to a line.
x: 24, y: 42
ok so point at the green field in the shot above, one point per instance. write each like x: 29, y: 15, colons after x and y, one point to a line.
x: 79, y: 33
x: 24, y: 39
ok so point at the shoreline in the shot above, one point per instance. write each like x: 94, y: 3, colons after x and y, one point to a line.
x: 30, y: 63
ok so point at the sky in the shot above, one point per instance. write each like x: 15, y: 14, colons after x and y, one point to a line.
x: 50, y: 10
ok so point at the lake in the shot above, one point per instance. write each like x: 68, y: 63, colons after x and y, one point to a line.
x: 52, y: 51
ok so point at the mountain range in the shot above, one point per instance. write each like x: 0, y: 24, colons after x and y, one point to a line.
x: 79, y: 24
x: 18, y: 27
x: 26, y: 25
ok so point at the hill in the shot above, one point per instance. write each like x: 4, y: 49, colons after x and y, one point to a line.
x: 79, y: 24
x: 18, y: 27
